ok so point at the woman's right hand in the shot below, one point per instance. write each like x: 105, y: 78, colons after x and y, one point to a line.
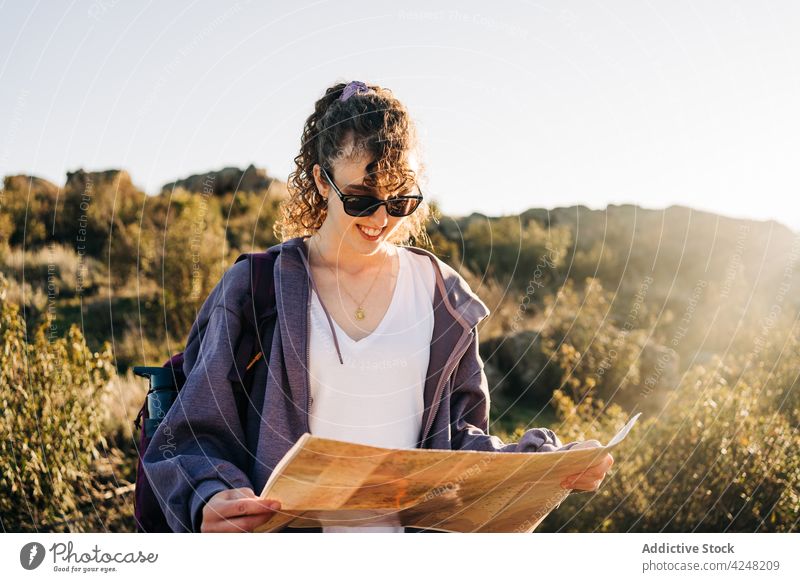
x: 236, y: 510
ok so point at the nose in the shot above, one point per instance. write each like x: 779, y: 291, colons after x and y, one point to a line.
x: 380, y: 217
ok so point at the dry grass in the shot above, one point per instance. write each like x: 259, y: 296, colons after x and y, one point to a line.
x: 121, y: 401
x: 58, y: 266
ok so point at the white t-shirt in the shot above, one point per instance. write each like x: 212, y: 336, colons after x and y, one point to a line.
x: 376, y: 396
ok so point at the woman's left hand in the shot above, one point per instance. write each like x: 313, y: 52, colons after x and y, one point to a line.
x: 590, y: 479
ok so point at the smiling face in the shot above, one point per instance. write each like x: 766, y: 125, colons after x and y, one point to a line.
x: 349, y: 171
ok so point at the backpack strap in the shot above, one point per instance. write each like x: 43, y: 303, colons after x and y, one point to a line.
x: 258, y: 308
x: 255, y: 339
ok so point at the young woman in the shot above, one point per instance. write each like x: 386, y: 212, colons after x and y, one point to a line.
x: 376, y: 342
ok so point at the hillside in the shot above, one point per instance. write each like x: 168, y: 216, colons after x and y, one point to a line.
x: 688, y: 316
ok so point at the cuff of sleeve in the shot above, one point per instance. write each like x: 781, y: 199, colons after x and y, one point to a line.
x: 538, y: 440
x: 202, y: 493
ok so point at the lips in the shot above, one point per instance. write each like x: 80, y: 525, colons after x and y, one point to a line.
x: 370, y: 233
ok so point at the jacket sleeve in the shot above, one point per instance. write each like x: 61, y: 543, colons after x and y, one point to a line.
x: 469, y: 403
x: 199, y: 448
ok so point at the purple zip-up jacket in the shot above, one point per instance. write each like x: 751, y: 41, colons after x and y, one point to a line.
x: 201, y: 447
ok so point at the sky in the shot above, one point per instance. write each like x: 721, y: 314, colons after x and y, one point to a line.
x: 519, y: 104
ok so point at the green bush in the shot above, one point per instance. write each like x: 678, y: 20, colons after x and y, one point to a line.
x: 718, y: 457
x: 597, y: 355
x: 509, y: 249
x: 51, y: 424
x: 190, y: 257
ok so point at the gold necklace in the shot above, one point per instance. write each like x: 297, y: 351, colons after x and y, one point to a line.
x: 359, y: 313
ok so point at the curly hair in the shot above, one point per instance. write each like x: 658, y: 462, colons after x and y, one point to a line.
x: 374, y: 123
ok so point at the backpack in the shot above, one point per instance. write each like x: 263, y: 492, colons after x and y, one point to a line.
x: 253, y: 347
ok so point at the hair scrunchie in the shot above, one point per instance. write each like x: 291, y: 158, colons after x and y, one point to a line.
x: 352, y: 88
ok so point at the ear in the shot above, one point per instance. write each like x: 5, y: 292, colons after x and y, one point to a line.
x: 320, y: 181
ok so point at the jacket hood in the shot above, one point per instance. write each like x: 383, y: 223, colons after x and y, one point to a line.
x: 462, y: 298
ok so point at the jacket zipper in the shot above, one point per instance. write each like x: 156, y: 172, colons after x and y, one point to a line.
x: 437, y: 393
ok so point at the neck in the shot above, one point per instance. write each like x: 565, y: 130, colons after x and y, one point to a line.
x: 327, y: 248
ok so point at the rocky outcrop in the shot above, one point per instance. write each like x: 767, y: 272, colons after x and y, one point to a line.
x: 32, y: 184
x: 224, y: 181
x: 82, y: 181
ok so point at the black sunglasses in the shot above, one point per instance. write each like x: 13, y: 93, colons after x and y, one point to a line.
x: 363, y: 205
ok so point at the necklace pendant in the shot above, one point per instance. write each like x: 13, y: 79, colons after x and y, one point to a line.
x: 360, y: 314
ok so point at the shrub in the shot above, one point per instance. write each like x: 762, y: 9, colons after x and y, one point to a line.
x: 714, y: 459
x: 597, y: 354
x: 514, y: 251
x: 190, y: 259
x: 51, y: 425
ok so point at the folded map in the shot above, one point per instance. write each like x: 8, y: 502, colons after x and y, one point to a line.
x: 324, y: 482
